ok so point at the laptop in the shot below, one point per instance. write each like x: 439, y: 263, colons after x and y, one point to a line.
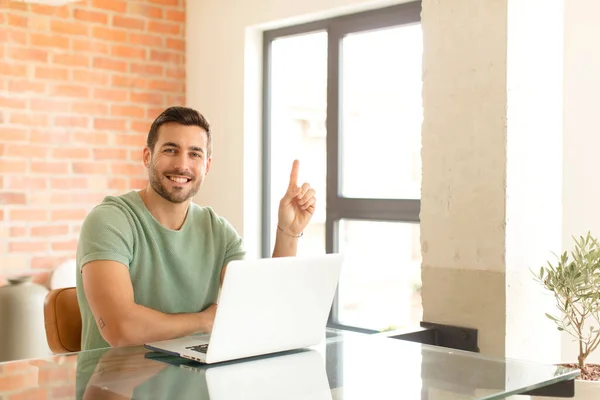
x: 266, y: 306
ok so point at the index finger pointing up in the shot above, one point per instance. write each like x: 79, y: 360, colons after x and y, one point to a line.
x: 294, y: 174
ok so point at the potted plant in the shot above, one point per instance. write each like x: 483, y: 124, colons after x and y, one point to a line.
x: 575, y: 283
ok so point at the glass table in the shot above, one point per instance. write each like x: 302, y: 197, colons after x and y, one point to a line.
x: 344, y: 366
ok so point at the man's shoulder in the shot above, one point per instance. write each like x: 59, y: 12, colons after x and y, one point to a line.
x: 206, y: 215
x: 117, y: 204
x: 112, y: 209
x: 203, y: 215
x: 130, y: 199
x: 204, y: 211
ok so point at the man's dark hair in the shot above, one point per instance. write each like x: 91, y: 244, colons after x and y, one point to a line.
x: 183, y: 116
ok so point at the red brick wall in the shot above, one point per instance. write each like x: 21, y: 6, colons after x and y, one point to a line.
x: 79, y: 86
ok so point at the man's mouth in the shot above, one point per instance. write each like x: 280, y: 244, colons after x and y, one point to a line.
x: 178, y: 178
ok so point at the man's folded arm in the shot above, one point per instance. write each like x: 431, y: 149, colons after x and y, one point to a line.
x: 121, y: 321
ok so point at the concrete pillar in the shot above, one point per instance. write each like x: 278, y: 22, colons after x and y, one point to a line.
x: 491, y: 190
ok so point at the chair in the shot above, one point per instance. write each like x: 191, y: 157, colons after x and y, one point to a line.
x: 62, y: 320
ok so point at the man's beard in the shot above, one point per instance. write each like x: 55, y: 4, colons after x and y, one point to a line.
x: 177, y: 195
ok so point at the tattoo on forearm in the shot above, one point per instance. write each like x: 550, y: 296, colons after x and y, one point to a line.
x: 101, y: 323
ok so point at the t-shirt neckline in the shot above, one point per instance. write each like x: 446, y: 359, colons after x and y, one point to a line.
x: 140, y: 203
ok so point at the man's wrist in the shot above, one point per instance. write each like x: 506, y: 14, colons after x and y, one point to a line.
x: 288, y: 232
x: 285, y: 245
x: 202, y: 322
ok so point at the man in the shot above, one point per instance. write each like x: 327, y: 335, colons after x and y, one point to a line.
x: 150, y: 262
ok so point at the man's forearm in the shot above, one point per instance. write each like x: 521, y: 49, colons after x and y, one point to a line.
x: 139, y: 325
x: 285, y: 245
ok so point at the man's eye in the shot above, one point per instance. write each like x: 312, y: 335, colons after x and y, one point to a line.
x: 197, y: 155
x: 170, y: 151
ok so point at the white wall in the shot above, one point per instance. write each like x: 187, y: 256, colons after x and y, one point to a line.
x: 224, y: 47
x: 581, y: 170
x: 534, y: 172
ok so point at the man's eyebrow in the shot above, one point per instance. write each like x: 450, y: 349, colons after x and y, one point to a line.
x: 192, y: 148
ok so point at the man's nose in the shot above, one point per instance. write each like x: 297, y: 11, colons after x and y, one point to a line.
x: 182, y: 161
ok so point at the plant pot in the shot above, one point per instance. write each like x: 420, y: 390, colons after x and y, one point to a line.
x: 584, y: 390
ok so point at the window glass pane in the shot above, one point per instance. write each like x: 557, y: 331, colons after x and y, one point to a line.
x: 381, y: 113
x: 298, y: 109
x: 380, y: 283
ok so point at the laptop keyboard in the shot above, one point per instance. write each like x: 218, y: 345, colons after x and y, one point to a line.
x: 201, y: 348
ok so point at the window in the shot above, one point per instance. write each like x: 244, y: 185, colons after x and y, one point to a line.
x: 344, y: 97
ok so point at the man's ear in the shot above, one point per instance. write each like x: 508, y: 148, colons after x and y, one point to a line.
x: 208, y: 162
x: 147, y: 156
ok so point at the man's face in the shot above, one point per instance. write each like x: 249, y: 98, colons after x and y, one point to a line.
x: 179, y: 163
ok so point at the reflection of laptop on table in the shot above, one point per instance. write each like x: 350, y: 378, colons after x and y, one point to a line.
x: 299, y: 375
x: 266, y: 306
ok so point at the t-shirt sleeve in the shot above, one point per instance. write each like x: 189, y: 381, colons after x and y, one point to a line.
x: 234, y: 245
x: 106, y: 234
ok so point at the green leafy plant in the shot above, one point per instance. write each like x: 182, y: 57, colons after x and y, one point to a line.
x: 575, y: 283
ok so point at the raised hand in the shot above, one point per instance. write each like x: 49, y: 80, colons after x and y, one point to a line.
x: 297, y: 206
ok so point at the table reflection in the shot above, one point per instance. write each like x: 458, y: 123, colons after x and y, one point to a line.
x: 139, y: 373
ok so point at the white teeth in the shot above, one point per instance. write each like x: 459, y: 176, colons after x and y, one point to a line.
x: 178, y: 179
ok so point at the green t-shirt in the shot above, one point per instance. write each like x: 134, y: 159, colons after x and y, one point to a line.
x: 171, y: 271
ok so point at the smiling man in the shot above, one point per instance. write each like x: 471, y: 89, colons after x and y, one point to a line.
x: 150, y: 262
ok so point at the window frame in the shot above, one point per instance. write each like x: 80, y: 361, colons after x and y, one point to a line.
x: 337, y: 207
